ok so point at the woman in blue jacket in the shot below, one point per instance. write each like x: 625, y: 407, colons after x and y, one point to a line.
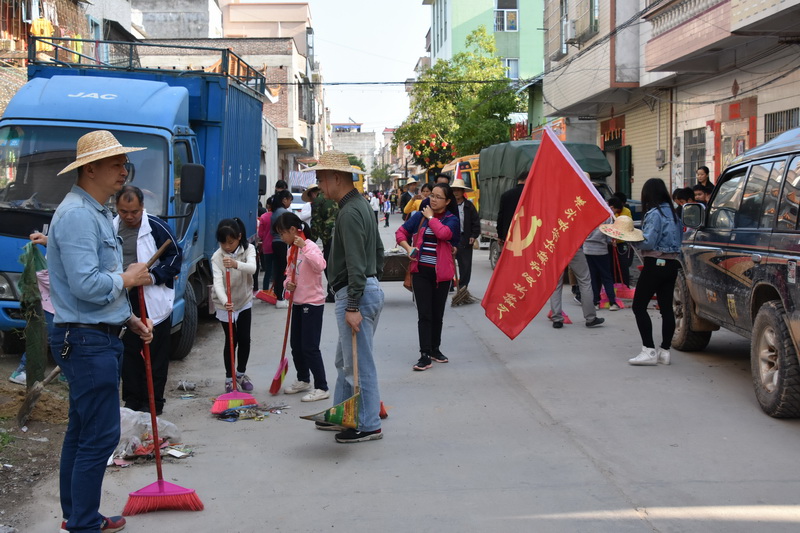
x: 660, y: 249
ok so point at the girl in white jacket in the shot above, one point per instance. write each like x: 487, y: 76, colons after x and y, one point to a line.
x: 238, y: 257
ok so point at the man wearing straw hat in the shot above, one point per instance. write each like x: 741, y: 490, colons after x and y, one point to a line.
x: 411, y: 192
x: 356, y: 264
x: 91, y: 314
x: 470, y: 230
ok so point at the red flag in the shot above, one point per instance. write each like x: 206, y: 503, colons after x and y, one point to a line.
x: 559, y: 207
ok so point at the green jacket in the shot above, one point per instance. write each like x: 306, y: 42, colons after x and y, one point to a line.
x: 323, y: 217
x: 357, y: 251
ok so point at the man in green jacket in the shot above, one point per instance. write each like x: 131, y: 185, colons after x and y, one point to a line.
x: 323, y: 218
x: 356, y: 264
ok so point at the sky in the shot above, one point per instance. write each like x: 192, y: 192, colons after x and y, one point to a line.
x: 368, y: 40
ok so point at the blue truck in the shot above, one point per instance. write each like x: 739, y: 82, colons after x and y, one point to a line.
x: 202, y: 131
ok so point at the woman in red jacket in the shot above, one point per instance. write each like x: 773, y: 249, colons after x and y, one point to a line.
x: 434, y: 232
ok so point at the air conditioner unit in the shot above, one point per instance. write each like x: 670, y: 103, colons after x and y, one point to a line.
x: 571, y: 36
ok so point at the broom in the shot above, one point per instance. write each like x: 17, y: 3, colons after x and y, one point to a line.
x: 283, y: 365
x: 161, y: 495
x: 234, y: 398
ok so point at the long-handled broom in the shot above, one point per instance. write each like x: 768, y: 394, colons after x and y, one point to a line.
x: 233, y: 398
x: 283, y: 365
x: 161, y: 495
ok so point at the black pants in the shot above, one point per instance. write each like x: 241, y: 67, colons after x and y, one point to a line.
x: 658, y: 280
x: 241, y: 343
x: 326, y: 251
x: 624, y: 255
x: 431, y: 298
x: 306, y: 333
x: 134, y: 378
x: 279, y: 250
x: 600, y: 270
x: 464, y: 258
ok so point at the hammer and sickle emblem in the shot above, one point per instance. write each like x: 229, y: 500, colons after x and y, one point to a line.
x: 517, y: 243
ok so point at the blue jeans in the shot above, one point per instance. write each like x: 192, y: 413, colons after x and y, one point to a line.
x: 93, y: 431
x: 371, y: 305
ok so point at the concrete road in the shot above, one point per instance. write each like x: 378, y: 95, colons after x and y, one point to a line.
x: 553, y: 431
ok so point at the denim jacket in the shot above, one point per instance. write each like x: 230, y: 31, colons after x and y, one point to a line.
x: 84, y: 257
x: 662, y: 232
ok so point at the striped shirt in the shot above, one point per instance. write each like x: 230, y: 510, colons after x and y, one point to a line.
x: 427, y: 254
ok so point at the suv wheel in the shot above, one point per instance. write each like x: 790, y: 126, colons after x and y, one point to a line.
x: 685, y: 339
x: 773, y: 363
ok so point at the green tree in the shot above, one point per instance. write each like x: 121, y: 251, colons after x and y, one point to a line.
x: 381, y: 177
x: 356, y: 161
x: 464, y: 102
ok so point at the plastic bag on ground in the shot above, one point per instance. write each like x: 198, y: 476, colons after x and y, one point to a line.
x: 136, y: 432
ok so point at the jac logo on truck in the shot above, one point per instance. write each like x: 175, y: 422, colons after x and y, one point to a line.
x: 93, y: 95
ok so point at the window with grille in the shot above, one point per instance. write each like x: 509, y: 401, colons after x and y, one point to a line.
x: 694, y: 143
x: 506, y: 15
x: 777, y: 123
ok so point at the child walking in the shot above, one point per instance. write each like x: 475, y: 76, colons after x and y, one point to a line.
x: 236, y: 256
x: 305, y: 267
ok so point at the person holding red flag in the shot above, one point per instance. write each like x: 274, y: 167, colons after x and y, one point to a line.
x: 435, y: 232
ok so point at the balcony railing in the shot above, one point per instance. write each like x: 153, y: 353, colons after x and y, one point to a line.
x: 680, y: 13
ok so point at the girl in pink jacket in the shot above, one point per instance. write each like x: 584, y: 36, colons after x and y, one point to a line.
x: 305, y: 268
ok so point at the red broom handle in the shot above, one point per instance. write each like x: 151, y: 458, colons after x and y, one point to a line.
x: 230, y: 328
x: 289, y: 314
x: 148, y: 370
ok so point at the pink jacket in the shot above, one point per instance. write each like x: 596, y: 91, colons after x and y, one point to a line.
x: 445, y: 263
x: 265, y: 233
x: 308, y: 276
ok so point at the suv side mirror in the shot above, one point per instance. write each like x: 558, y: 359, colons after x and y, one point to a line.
x: 193, y: 177
x: 692, y: 215
x: 262, y: 184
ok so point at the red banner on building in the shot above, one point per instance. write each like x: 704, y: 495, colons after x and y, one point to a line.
x: 559, y: 207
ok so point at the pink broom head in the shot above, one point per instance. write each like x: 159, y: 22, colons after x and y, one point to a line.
x: 162, y: 496
x: 232, y: 399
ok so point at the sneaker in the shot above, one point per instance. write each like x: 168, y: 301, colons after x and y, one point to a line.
x: 228, y: 385
x: 576, y: 298
x: 613, y: 307
x: 594, y: 323
x: 596, y: 307
x: 110, y: 524
x: 557, y: 324
x: 297, y: 386
x: 20, y: 378
x: 647, y: 357
x: 244, y: 383
x: 281, y: 304
x: 663, y: 356
x: 439, y: 357
x: 327, y: 426
x: 315, y: 395
x: 424, y: 363
x: 352, y: 435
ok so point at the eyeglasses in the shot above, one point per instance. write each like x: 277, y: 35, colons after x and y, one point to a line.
x: 439, y: 197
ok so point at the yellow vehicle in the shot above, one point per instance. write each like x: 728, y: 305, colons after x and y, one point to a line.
x: 358, y: 179
x: 466, y: 168
x: 398, y: 182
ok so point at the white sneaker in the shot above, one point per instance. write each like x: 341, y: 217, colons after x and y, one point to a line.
x: 613, y: 307
x: 647, y: 357
x: 281, y: 304
x: 297, y: 386
x: 663, y: 356
x: 316, y: 394
x: 20, y: 378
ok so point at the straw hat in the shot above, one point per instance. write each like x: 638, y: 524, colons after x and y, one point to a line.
x: 410, y: 181
x: 305, y: 196
x: 97, y: 145
x: 459, y: 184
x: 622, y: 229
x: 334, y: 160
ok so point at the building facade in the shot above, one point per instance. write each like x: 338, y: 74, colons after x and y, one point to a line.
x: 169, y: 19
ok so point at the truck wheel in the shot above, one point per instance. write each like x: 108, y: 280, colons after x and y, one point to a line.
x: 773, y: 363
x: 684, y: 338
x: 13, y: 342
x: 494, y: 253
x: 183, y: 339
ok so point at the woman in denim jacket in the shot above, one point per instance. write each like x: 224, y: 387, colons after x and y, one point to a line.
x: 660, y: 249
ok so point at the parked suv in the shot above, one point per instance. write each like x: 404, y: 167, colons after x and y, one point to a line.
x: 739, y: 272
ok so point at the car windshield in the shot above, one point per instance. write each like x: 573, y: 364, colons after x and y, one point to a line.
x: 32, y: 156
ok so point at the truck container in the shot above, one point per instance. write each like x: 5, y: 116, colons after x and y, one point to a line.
x: 187, y: 120
x: 500, y: 164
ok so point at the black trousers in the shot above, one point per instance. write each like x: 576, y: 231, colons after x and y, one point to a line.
x: 464, y: 258
x: 306, y: 332
x: 241, y: 342
x: 279, y: 250
x: 431, y: 298
x: 326, y: 251
x: 134, y: 378
x: 658, y: 280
